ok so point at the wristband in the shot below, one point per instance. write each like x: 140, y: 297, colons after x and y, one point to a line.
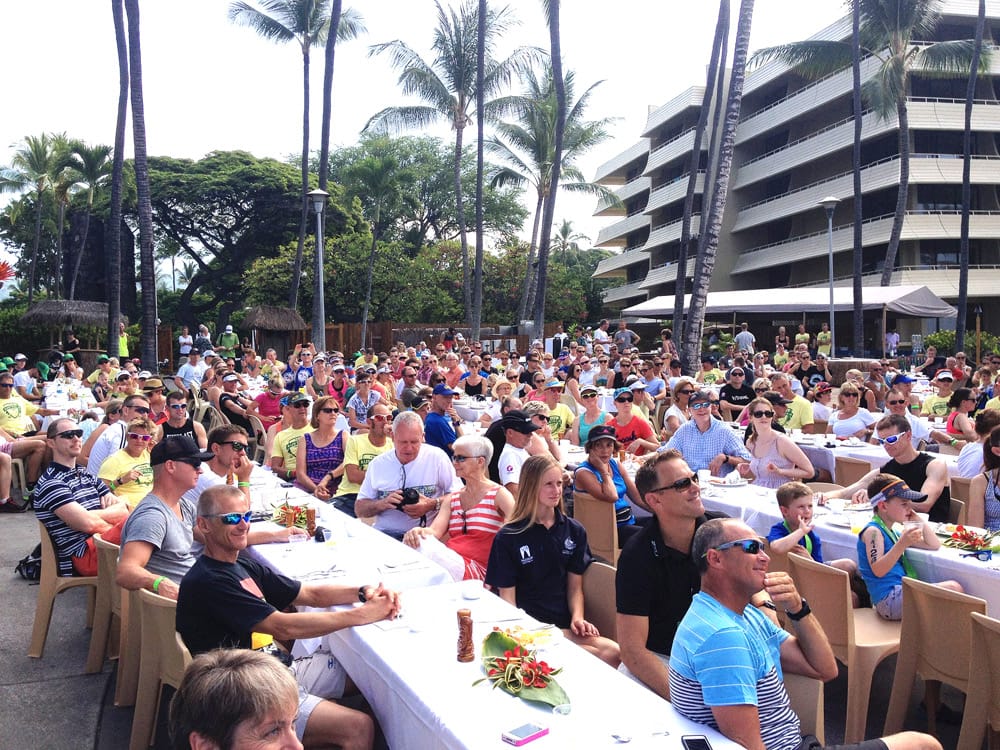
x: 243, y: 484
x: 803, y: 612
x: 156, y: 584
x: 114, y: 485
x: 953, y: 442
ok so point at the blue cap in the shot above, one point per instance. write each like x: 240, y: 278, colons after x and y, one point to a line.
x: 442, y: 390
x: 902, y: 378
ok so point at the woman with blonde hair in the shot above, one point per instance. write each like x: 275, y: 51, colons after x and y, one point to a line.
x: 547, y: 582
x: 850, y: 419
x: 127, y: 472
x: 774, y: 458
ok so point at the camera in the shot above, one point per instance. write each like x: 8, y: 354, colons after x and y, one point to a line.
x: 410, y: 496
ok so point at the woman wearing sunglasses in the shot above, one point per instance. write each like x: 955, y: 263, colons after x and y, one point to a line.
x: 592, y: 416
x: 539, y: 557
x: 959, y: 426
x: 850, y: 419
x: 632, y: 431
x: 601, y: 476
x: 320, y: 457
x: 678, y: 412
x: 774, y: 458
x: 127, y: 472
x: 476, y: 513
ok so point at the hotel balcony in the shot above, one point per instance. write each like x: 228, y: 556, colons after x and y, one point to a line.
x: 875, y: 231
x: 624, y: 194
x: 614, y: 234
x: 673, y: 191
x: 671, y: 232
x: 924, y: 169
x: 612, y: 172
x: 693, y: 97
x: 623, y: 293
x: 679, y: 147
x: 616, y: 264
x: 667, y: 274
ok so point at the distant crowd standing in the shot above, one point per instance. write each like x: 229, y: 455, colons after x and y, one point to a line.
x: 379, y: 435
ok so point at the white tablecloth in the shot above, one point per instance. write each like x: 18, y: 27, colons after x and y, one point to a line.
x: 758, y: 508
x: 823, y: 457
x: 423, y: 697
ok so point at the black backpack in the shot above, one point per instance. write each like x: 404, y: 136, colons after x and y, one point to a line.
x: 29, y: 567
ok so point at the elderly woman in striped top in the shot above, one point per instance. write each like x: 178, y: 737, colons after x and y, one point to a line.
x: 476, y: 513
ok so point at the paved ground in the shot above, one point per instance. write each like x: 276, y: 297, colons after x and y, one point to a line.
x: 49, y: 704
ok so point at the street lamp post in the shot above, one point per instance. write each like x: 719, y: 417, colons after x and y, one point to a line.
x: 829, y: 204
x: 318, y: 200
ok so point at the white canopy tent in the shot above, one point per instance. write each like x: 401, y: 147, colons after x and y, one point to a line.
x: 912, y: 301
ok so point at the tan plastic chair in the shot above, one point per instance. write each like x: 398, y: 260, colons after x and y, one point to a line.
x: 599, y: 598
x: 824, y: 486
x: 847, y: 470
x: 820, y: 427
x: 598, y: 518
x: 50, y: 585
x: 806, y: 697
x: 259, y: 439
x: 860, y: 639
x: 130, y: 644
x: 164, y: 659
x: 934, y: 643
x: 18, y: 476
x: 956, y: 512
x: 960, y: 488
x: 108, y: 609
x: 982, y: 701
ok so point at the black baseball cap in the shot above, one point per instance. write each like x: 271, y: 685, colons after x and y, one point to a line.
x: 177, y: 448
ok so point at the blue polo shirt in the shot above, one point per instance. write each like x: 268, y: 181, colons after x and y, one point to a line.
x: 699, y: 448
x: 536, y: 562
x: 439, y: 432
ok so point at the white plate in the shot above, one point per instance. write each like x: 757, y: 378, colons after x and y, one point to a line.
x: 844, y: 523
x: 724, y: 483
x: 859, y: 506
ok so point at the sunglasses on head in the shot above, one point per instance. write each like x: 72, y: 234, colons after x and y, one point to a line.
x: 749, y: 546
x: 680, y: 485
x: 231, y: 519
x: 70, y: 434
x: 139, y: 436
x: 891, y: 440
x: 757, y: 414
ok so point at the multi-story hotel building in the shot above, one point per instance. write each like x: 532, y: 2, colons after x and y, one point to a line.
x: 794, y: 148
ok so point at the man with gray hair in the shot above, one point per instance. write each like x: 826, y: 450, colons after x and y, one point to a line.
x: 404, y: 487
x: 728, y: 657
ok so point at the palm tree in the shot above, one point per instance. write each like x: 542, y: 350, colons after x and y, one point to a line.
x: 307, y: 23
x: 525, y: 150
x: 113, y: 235
x: 89, y: 166
x: 62, y: 191
x: 448, y: 86
x: 477, y: 282
x: 35, y: 166
x: 565, y: 239
x: 147, y: 266
x: 963, y: 261
x: 889, y: 32
x: 712, y: 226
x: 379, y: 182
x: 189, y: 269
x: 329, y: 52
x: 858, y: 253
x: 714, y: 65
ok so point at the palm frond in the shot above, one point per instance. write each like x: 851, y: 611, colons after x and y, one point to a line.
x: 395, y: 119
x: 950, y: 59
x: 811, y: 58
x: 266, y: 25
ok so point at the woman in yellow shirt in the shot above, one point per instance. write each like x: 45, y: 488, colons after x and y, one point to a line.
x: 128, y: 472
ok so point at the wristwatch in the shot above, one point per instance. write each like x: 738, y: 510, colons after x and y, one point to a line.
x: 803, y: 612
x: 361, y: 594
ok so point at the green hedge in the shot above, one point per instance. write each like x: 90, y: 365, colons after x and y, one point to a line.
x: 944, y: 342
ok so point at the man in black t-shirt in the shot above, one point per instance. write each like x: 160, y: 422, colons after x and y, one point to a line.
x: 735, y: 394
x: 224, y: 600
x: 180, y: 422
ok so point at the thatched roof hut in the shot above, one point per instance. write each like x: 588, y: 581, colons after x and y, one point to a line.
x: 60, y: 313
x: 272, y: 318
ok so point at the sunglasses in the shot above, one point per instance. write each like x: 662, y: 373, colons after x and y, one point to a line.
x: 701, y: 405
x: 231, y: 519
x: 588, y: 395
x: 848, y: 395
x: 70, y: 434
x: 891, y: 440
x: 680, y: 485
x: 143, y: 410
x: 382, y: 417
x: 139, y: 436
x: 684, y: 393
x: 624, y: 400
x: 895, y: 402
x: 458, y: 459
x: 760, y: 390
x: 749, y: 546
x: 982, y: 554
x: 301, y: 405
x: 762, y: 413
x: 179, y: 407
x: 236, y: 445
x: 329, y: 410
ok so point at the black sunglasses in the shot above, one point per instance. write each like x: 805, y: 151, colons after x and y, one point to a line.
x: 749, y: 546
x: 329, y: 410
x: 236, y: 445
x: 762, y: 413
x: 680, y: 485
x: 624, y: 400
x: 70, y: 434
x: 231, y: 519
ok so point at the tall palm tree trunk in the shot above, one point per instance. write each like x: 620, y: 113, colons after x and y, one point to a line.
x: 713, y: 226
x: 81, y: 249
x: 713, y: 145
x: 531, y: 272
x: 901, y: 196
x: 113, y: 238
x: 963, y: 258
x: 548, y: 212
x: 460, y: 216
x: 60, y: 228
x: 34, y: 246
x: 293, y: 294
x: 324, y: 137
x: 147, y: 266
x: 680, y: 286
x: 858, y: 254
x: 477, y: 281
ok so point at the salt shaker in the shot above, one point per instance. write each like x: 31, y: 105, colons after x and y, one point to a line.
x: 466, y: 652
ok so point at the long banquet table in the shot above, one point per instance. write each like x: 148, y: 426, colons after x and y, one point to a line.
x: 759, y: 509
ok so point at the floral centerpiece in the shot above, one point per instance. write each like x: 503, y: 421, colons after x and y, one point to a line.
x: 516, y: 669
x: 967, y: 539
x: 294, y: 515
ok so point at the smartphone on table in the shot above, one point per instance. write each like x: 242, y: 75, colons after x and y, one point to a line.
x: 524, y: 734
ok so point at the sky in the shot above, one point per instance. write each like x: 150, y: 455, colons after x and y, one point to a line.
x: 211, y: 85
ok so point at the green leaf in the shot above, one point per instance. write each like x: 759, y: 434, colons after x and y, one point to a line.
x: 496, y: 644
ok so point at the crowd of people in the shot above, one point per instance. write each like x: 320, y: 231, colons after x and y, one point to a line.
x: 378, y: 436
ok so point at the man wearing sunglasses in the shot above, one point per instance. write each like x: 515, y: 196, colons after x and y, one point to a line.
x: 157, y: 537
x: 359, y: 451
x: 234, y: 405
x: 286, y: 443
x: 898, y: 402
x: 180, y: 422
x: 560, y: 416
x: 921, y: 471
x: 73, y: 504
x: 707, y: 443
x: 115, y: 438
x: 656, y: 573
x: 225, y: 600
